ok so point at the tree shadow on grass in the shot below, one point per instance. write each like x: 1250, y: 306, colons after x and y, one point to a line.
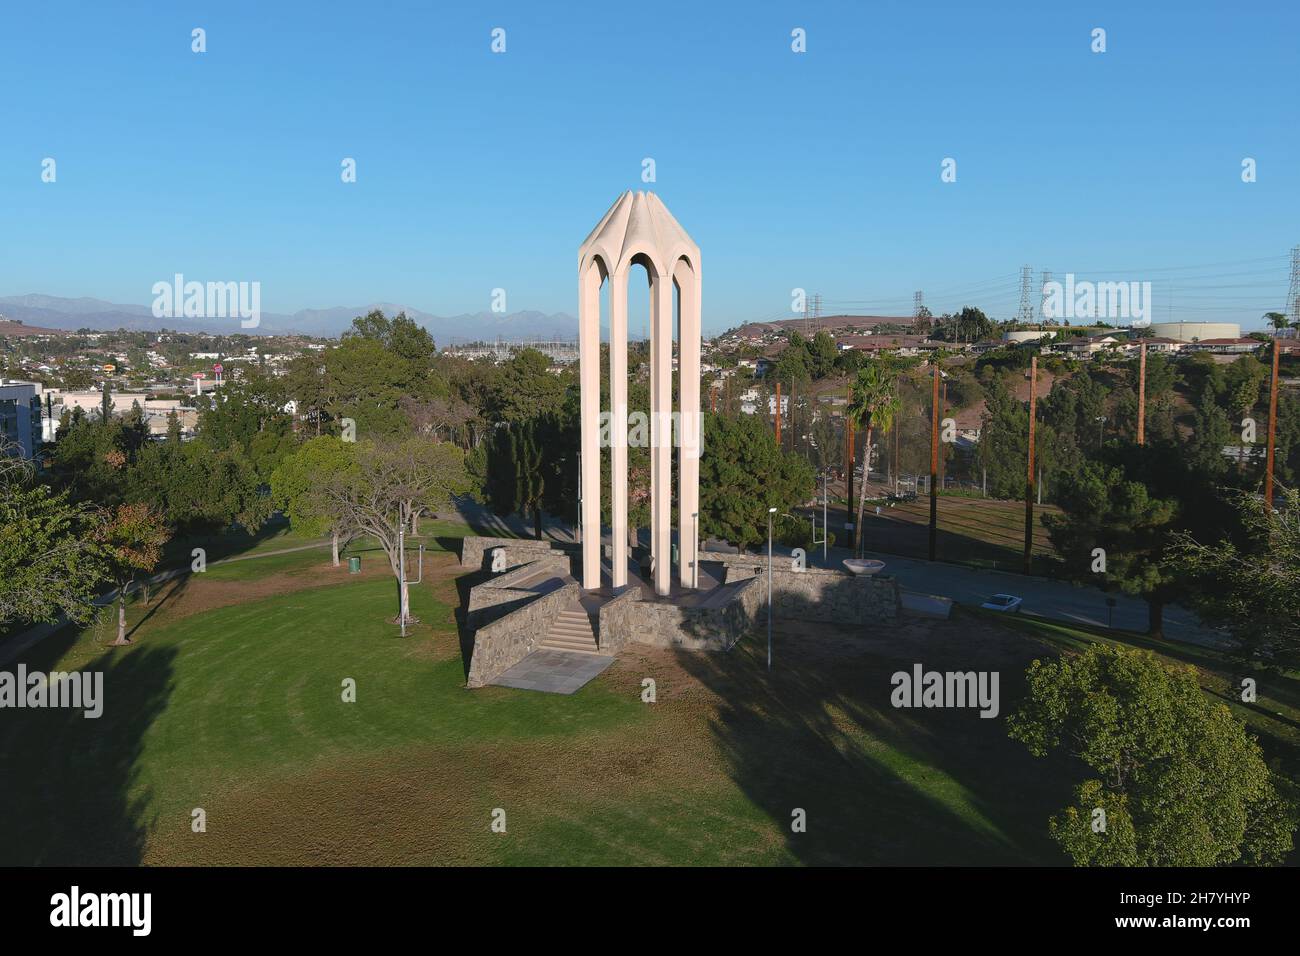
x: 69, y: 785
x: 160, y: 595
x: 879, y: 785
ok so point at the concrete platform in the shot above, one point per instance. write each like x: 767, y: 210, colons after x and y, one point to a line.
x: 555, y: 672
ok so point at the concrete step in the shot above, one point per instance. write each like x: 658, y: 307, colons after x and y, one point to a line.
x: 575, y: 647
x: 571, y: 634
x: 572, y: 630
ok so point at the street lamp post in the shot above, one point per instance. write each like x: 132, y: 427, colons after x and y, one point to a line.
x: 770, y: 512
x: 695, y: 553
x: 825, y: 526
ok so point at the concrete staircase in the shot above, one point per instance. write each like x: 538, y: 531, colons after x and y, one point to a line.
x: 572, y: 631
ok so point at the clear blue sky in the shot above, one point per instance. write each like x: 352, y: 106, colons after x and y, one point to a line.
x: 818, y: 170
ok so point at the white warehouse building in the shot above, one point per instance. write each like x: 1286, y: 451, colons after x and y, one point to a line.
x: 1193, y: 331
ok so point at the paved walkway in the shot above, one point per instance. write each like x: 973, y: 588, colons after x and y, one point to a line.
x: 555, y: 672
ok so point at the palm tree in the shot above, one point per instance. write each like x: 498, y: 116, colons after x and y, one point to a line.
x: 1278, y: 320
x: 874, y: 405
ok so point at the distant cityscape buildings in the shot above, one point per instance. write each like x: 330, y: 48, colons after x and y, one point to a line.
x: 559, y: 351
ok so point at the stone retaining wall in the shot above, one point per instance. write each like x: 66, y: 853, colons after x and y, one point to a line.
x: 474, y: 549
x: 498, y: 596
x: 834, y: 597
x: 628, y: 619
x: 502, y: 644
x: 617, y: 620
x: 817, y: 594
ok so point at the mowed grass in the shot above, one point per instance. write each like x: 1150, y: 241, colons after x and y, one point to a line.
x: 978, y: 531
x: 237, y: 709
x: 218, y: 702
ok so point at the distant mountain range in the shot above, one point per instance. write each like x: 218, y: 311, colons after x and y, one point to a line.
x: 54, y: 312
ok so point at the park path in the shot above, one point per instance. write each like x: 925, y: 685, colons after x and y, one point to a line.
x: 18, y: 644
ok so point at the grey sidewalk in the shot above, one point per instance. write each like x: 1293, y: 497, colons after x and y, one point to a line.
x: 555, y: 672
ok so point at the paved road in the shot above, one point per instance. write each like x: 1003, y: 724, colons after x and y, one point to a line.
x: 1044, y: 597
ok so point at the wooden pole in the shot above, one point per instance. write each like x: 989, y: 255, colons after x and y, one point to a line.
x: 792, y: 426
x: 934, y: 465
x: 1272, y: 429
x: 897, y: 470
x: 1029, y: 487
x: 778, y: 414
x: 943, y: 405
x: 1142, y: 394
x: 851, y: 454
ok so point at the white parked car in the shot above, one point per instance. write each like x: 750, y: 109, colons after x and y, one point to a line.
x: 1003, y: 602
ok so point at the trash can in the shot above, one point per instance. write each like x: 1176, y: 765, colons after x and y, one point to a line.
x: 354, y: 565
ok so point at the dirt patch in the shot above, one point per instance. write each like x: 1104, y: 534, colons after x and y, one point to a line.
x: 181, y: 597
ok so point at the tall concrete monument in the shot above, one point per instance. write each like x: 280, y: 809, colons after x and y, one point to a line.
x: 639, y: 230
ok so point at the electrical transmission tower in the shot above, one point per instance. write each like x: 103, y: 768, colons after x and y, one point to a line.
x: 918, y: 304
x: 1042, y: 301
x: 812, y: 312
x: 1293, y: 294
x: 1026, y: 306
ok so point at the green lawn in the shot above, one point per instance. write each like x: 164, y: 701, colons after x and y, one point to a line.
x: 980, y: 532
x: 237, y: 709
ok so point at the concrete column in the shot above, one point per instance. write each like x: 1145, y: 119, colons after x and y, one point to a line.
x: 654, y: 445
x: 618, y: 424
x: 589, y: 381
x: 688, y: 468
x: 661, y: 374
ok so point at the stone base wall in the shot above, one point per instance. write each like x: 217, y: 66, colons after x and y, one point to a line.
x: 834, y: 597
x: 474, y: 551
x: 502, y: 644
x: 628, y: 619
x: 816, y: 594
x: 496, y: 596
x: 617, y: 620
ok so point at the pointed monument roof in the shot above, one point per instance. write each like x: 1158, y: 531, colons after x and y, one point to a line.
x: 638, y: 224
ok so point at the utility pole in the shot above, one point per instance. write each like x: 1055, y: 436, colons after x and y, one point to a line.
x: 934, y: 464
x: 778, y: 415
x: 826, y: 528
x: 793, y: 424
x: 1142, y: 394
x: 1293, y: 292
x: 848, y: 469
x: 1029, y: 488
x: 1272, y: 429
x: 943, y: 405
x: 897, y: 466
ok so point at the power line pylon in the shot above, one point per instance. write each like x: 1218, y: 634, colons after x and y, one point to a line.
x: 1293, y: 294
